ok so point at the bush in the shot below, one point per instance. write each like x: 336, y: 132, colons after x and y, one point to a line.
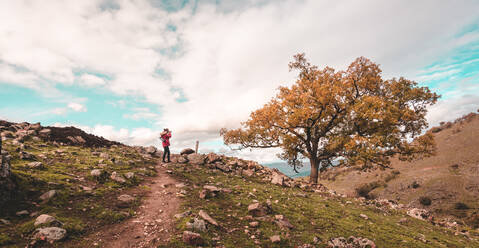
x: 391, y: 176
x: 461, y: 206
x: 425, y: 201
x: 415, y: 185
x: 365, y: 189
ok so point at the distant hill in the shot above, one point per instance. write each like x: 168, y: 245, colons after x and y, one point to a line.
x: 449, y: 181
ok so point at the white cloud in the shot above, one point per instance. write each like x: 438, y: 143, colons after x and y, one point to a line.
x: 91, y: 80
x: 77, y: 107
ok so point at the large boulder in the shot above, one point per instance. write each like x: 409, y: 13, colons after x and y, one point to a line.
x: 187, y: 151
x: 418, y: 213
x: 196, y: 158
x: 50, y: 234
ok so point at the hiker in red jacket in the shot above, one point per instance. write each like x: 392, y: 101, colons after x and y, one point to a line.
x: 165, y: 138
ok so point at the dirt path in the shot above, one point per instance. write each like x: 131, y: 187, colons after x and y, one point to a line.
x: 154, y: 221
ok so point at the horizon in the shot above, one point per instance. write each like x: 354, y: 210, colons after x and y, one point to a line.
x: 124, y: 70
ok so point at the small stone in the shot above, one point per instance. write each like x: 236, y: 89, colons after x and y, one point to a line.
x: 275, y: 239
x: 35, y: 165
x: 130, y: 175
x: 48, y: 195
x: 208, y: 218
x: 117, y: 177
x: 254, y: 224
x: 364, y: 216
x: 22, y: 213
x: 4, y: 222
x: 45, y: 219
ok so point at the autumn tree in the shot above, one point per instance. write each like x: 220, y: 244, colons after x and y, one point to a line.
x: 353, y: 116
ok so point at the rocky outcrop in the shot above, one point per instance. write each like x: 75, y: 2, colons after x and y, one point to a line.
x: 352, y: 241
x: 50, y: 234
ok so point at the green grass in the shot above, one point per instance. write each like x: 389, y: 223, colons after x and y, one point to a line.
x: 81, y: 212
x: 312, y: 216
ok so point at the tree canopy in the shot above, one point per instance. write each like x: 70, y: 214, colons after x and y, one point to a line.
x: 354, y: 116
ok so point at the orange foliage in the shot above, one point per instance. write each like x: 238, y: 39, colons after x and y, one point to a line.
x: 353, y: 115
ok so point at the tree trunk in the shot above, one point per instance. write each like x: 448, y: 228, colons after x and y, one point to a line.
x: 313, y: 176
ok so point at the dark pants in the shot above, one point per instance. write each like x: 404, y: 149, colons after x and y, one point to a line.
x: 166, y: 150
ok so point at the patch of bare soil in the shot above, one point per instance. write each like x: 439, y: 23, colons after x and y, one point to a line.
x: 153, y: 223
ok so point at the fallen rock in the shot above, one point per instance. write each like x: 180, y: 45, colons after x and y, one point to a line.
x: 212, y: 157
x: 352, y: 241
x: 257, y: 209
x: 182, y: 160
x: 48, y: 195
x: 418, y: 213
x: 196, y: 158
x: 208, y: 218
x: 277, y: 179
x: 26, y: 156
x: 46, y: 219
x: 275, y: 239
x: 130, y: 175
x: 192, y: 238
x: 50, y: 234
x: 151, y: 150
x: 197, y: 225
x: 187, y: 151
x: 35, y: 165
x: 182, y: 215
x: 117, y: 177
x: 22, y: 213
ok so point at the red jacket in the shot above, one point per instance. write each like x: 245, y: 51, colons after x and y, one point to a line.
x: 166, y: 139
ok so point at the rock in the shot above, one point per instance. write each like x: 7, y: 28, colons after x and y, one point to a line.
x: 278, y: 178
x: 284, y: 223
x: 130, y: 175
x: 4, y: 222
x: 117, y: 177
x: 35, y: 165
x: 403, y: 221
x: 151, y: 150
x: 96, y: 172
x: 275, y: 239
x: 197, y: 225
x: 211, y: 188
x: 48, y: 195
x: 182, y: 215
x: 50, y: 234
x: 182, y: 160
x: 187, y: 151
x: 222, y: 167
x: 35, y: 126
x: 352, y: 241
x: 254, y: 224
x: 258, y: 210
x: 26, y: 156
x: 125, y: 200
x: 45, y: 132
x: 192, y: 238
x: 22, y: 213
x: 418, y: 213
x: 364, y: 216
x: 208, y: 218
x: 212, y: 157
x: 248, y: 172
x: 46, y: 219
x: 104, y: 155
x: 196, y: 158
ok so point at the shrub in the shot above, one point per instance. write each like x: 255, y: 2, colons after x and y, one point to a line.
x: 425, y: 201
x: 415, y: 185
x: 391, y: 176
x: 365, y: 189
x: 461, y: 206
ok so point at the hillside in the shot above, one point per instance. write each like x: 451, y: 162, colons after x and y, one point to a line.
x: 449, y: 179
x: 112, y: 195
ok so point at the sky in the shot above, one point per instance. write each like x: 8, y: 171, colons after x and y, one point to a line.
x: 127, y: 69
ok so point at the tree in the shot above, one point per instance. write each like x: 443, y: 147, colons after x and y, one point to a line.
x: 351, y: 116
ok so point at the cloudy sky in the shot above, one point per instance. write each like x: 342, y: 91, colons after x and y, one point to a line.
x: 126, y: 69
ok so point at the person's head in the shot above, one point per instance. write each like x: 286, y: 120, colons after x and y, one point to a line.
x: 166, y: 130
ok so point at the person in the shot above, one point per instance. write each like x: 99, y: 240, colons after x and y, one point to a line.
x: 165, y: 137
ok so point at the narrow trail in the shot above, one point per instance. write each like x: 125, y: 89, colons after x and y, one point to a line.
x: 153, y: 223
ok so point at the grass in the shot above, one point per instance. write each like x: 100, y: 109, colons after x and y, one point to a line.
x: 67, y: 171
x: 313, y: 215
